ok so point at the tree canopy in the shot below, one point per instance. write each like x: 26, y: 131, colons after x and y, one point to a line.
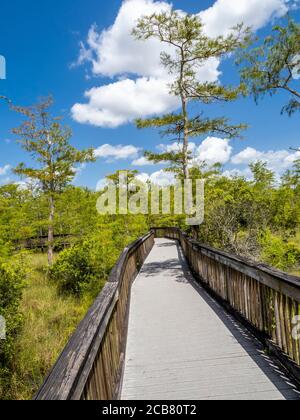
x: 274, y: 66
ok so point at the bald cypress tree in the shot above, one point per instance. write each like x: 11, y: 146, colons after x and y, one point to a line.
x: 48, y: 144
x: 274, y: 66
x: 187, y: 49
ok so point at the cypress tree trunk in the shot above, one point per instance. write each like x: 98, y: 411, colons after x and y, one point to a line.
x: 186, y: 139
x: 184, y: 100
x: 51, y: 230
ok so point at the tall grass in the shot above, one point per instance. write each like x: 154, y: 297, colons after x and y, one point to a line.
x: 49, y: 320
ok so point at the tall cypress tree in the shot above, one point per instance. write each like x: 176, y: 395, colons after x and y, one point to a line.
x: 188, y: 49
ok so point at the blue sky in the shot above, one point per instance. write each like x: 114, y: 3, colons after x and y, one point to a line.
x: 40, y: 41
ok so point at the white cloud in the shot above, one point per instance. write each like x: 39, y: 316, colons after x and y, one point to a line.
x: 162, y: 178
x: 4, y: 170
x: 143, y: 177
x: 233, y: 173
x: 225, y: 14
x: 121, y: 102
x: 175, y: 147
x: 214, y: 150
x: 246, y: 156
x: 115, y: 53
x: 277, y: 160
x: 107, y: 151
x: 142, y: 161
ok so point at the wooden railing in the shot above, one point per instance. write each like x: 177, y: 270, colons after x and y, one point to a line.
x: 91, y: 365
x: 267, y: 300
x: 41, y: 242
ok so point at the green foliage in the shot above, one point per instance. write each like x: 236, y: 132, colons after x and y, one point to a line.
x: 48, y: 143
x: 86, y: 265
x: 292, y: 177
x: 11, y: 287
x: 263, y: 177
x: 275, y: 65
x: 238, y: 211
x: 73, y: 270
x: 49, y: 319
x: 280, y: 253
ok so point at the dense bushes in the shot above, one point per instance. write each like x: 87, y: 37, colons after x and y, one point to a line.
x: 82, y: 268
x: 86, y: 266
x: 73, y: 270
x: 11, y: 286
x: 279, y: 253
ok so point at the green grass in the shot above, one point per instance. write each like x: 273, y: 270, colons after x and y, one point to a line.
x: 49, y: 320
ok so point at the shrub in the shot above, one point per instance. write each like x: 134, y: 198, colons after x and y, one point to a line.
x: 73, y: 270
x: 281, y: 254
x: 85, y: 266
x: 11, y: 286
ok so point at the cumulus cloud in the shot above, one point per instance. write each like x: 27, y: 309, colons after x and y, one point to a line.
x: 121, y: 102
x: 114, y: 51
x: 214, y: 150
x: 162, y: 178
x: 4, y: 169
x: 225, y: 14
x: 277, y: 160
x: 142, y: 161
x: 107, y: 151
x: 175, y: 147
x: 233, y: 173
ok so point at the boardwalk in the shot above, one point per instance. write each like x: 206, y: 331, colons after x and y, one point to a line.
x: 183, y: 345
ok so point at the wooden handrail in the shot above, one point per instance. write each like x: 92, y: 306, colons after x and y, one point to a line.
x: 41, y: 242
x: 265, y: 299
x: 90, y: 367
